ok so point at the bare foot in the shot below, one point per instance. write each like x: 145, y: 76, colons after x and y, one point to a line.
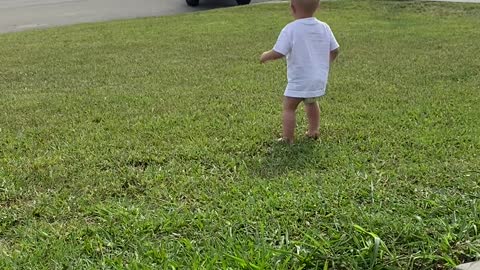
x: 284, y: 141
x: 313, y: 136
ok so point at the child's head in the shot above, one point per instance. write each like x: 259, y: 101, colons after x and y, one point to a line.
x: 304, y: 8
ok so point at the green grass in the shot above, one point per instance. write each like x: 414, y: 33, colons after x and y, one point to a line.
x: 149, y: 144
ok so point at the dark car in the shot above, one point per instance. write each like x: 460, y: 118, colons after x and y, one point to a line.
x: 194, y: 3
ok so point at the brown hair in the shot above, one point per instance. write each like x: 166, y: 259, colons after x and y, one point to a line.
x: 307, y: 5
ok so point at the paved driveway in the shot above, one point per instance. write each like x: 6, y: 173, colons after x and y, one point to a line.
x: 17, y: 15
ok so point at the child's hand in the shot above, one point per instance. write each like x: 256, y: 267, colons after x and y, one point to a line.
x: 270, y: 56
x: 264, y: 58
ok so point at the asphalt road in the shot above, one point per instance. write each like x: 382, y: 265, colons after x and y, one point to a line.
x: 18, y: 15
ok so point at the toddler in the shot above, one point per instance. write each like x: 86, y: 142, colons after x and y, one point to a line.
x: 309, y: 46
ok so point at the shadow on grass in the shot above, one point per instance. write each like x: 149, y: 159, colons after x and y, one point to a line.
x: 281, y: 159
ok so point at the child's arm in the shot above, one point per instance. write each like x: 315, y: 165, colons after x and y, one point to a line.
x: 334, y: 54
x: 270, y: 56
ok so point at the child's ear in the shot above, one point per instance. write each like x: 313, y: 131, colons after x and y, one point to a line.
x: 292, y: 7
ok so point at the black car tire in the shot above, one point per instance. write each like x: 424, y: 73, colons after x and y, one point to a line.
x: 192, y: 3
x: 243, y: 2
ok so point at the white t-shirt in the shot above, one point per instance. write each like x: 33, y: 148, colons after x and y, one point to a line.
x: 307, y: 44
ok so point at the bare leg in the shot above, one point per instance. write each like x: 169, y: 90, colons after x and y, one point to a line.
x: 313, y: 115
x: 289, y: 107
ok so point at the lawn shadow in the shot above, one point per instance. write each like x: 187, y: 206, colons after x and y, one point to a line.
x: 281, y: 159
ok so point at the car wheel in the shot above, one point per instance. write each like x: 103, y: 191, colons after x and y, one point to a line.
x: 192, y: 3
x: 243, y: 2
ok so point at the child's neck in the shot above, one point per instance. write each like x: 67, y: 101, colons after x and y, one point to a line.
x: 300, y: 16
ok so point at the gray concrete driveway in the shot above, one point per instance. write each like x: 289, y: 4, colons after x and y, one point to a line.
x: 18, y: 15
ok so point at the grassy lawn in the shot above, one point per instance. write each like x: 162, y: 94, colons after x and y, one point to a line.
x: 149, y: 144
